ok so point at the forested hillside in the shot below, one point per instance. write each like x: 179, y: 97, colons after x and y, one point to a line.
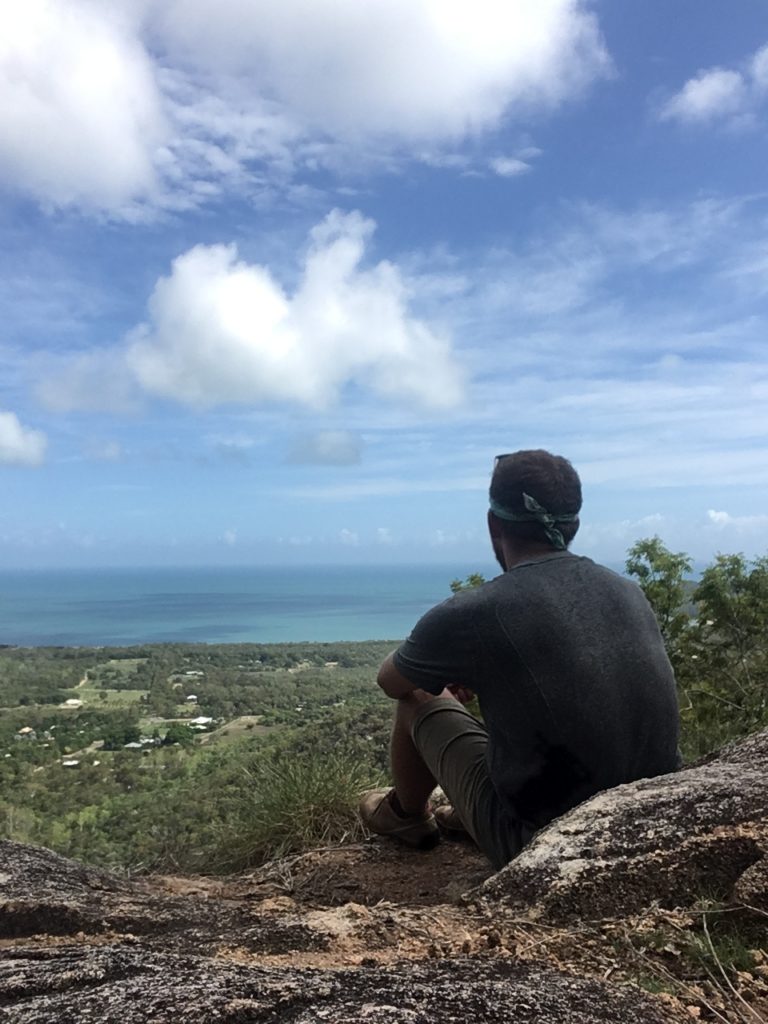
x: 161, y: 753
x: 213, y: 757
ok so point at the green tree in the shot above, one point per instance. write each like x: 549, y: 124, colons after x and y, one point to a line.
x: 179, y: 733
x: 732, y: 599
x: 727, y: 671
x: 119, y: 732
x: 661, y: 574
x: 475, y: 579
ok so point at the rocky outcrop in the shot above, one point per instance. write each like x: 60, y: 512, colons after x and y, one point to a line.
x: 702, y: 831
x: 374, y: 933
x: 82, y: 946
x: 45, y: 894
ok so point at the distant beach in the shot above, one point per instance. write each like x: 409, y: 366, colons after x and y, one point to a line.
x: 231, y: 605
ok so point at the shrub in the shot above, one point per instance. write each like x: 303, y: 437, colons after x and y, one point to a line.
x: 715, y: 634
x: 293, y: 804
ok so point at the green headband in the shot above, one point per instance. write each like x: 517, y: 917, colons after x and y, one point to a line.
x: 536, y: 513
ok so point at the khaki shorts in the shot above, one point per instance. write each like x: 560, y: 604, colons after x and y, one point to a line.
x: 454, y: 744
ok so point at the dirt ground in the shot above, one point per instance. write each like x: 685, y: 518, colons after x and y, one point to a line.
x: 370, y: 873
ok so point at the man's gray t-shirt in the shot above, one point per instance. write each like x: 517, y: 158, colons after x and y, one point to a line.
x: 569, y: 667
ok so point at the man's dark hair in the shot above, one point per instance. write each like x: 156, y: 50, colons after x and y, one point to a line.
x: 550, y: 479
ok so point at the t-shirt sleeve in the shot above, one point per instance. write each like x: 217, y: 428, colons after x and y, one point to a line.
x: 441, y: 649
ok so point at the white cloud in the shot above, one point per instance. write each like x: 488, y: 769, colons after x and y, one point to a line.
x: 230, y: 538
x: 652, y: 519
x: 20, y: 445
x: 721, y: 94
x: 130, y: 106
x: 509, y: 166
x: 384, y: 536
x: 225, y: 138
x: 712, y: 94
x: 349, y: 538
x: 80, y: 111
x: 718, y: 518
x: 223, y: 331
x: 412, y: 68
x: 737, y: 523
x: 565, y: 269
x: 328, y: 448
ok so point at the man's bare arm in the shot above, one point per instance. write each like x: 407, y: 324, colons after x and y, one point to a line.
x: 396, y: 686
x: 393, y: 682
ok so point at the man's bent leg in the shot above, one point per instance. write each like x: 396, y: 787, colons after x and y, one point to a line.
x: 403, y: 812
x: 412, y: 778
x: 453, y: 746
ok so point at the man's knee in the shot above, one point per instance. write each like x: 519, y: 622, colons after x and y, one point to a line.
x: 413, y: 704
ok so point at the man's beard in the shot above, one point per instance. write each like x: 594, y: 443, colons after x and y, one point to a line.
x: 499, y: 553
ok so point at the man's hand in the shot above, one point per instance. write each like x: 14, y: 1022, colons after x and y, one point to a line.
x: 462, y: 693
x: 395, y: 685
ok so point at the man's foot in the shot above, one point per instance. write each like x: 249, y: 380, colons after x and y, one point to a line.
x: 448, y: 820
x: 419, y: 831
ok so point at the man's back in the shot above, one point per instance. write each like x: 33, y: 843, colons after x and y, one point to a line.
x: 568, y: 663
x: 573, y: 681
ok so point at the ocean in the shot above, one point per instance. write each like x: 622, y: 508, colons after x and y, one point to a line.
x: 116, y: 607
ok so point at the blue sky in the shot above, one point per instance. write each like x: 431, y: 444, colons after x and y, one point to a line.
x: 278, y: 281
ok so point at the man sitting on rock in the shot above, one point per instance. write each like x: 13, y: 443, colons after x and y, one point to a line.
x: 566, y: 659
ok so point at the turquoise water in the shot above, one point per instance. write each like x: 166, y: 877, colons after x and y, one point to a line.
x: 132, y: 606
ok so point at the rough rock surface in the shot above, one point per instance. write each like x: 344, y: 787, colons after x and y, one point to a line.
x: 43, y: 893
x: 376, y: 934
x: 119, y: 983
x: 700, y: 831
